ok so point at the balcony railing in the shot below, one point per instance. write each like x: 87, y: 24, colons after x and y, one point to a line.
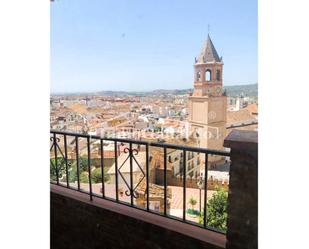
x: 126, y: 171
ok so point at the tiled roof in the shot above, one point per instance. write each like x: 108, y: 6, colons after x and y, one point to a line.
x: 78, y: 108
x: 238, y: 116
x: 252, y: 108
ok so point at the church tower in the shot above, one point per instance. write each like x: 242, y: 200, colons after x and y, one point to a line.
x: 207, y: 104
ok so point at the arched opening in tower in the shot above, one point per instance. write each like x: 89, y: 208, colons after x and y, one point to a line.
x: 208, y: 75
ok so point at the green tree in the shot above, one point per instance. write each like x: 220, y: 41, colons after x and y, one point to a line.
x: 192, y: 202
x: 96, y: 175
x: 84, y: 178
x: 83, y: 164
x: 72, y: 173
x: 157, y: 129
x: 53, y: 168
x: 217, y: 210
x: 72, y: 170
x: 83, y: 167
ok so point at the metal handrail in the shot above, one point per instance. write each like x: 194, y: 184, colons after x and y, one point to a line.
x: 131, y: 157
x: 141, y: 142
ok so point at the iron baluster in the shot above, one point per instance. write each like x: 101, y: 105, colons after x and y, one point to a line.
x: 147, y: 177
x: 66, y: 159
x: 165, y: 183
x: 89, y: 167
x: 184, y: 184
x: 77, y: 162
x: 131, y: 174
x: 56, y: 157
x: 205, y: 189
x: 102, y: 167
x: 131, y: 188
x: 116, y: 170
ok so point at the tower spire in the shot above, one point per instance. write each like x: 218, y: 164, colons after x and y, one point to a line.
x: 208, y: 53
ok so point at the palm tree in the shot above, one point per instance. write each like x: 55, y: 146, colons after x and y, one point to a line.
x: 192, y: 202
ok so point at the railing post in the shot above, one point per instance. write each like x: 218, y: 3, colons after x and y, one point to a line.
x: 56, y: 157
x: 131, y: 174
x: 243, y: 194
x: 102, y: 166
x: 165, y: 182
x: 116, y: 169
x: 66, y: 160
x: 147, y: 176
x: 205, y: 190
x: 77, y: 162
x: 184, y: 185
x: 89, y: 167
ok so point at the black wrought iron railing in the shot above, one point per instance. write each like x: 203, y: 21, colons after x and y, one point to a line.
x: 135, y: 173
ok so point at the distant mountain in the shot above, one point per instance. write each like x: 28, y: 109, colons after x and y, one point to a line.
x: 245, y: 90
x: 233, y: 91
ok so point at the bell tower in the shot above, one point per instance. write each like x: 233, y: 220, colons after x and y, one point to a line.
x: 207, y: 104
x: 208, y: 72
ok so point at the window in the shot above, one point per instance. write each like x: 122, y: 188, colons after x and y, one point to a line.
x: 198, y: 76
x: 218, y: 75
x: 208, y: 75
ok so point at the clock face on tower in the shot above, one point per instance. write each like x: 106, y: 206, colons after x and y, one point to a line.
x: 218, y: 90
x: 209, y: 90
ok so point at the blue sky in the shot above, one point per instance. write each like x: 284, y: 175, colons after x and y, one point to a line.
x: 138, y: 45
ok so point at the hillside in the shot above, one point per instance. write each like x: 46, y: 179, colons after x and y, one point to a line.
x: 233, y: 91
x: 245, y: 90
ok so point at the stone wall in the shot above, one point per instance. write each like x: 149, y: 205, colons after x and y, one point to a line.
x: 242, y: 225
x: 79, y: 225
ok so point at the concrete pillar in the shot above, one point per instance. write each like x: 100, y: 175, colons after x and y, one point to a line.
x: 242, y: 210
